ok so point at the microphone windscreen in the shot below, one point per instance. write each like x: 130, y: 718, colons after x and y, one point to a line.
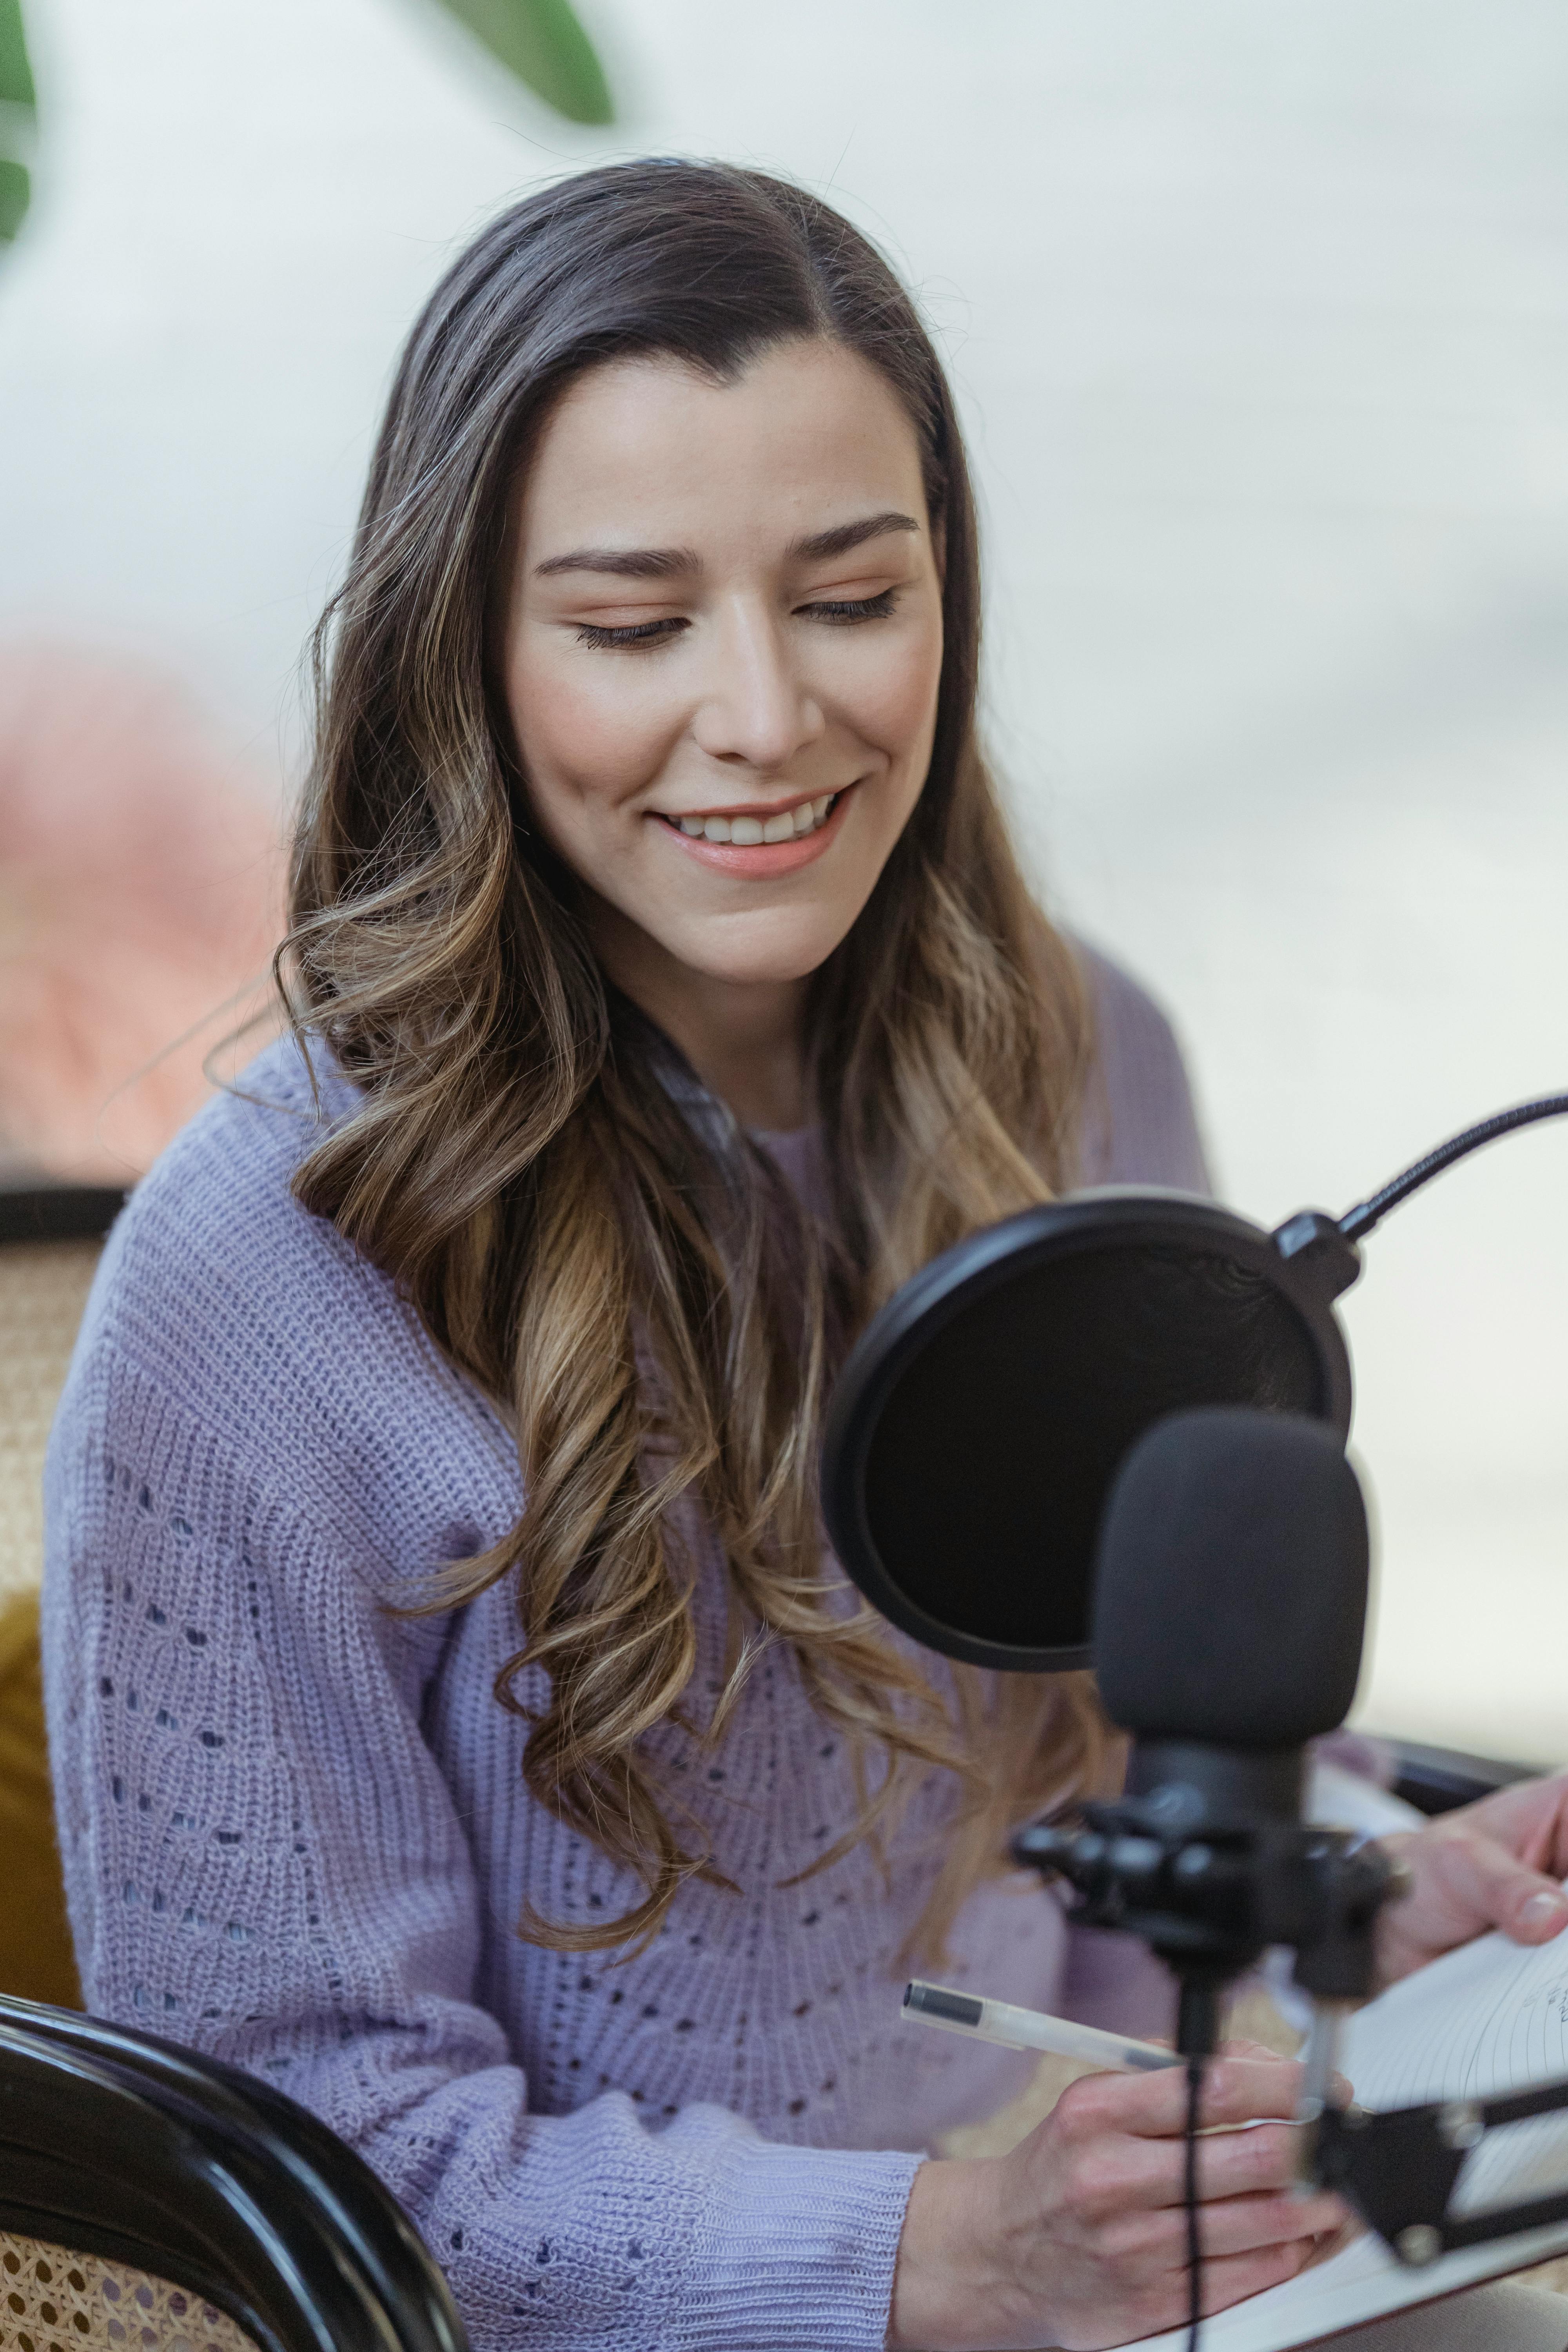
x: 1230, y: 1595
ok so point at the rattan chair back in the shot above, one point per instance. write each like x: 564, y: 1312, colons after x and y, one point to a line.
x: 152, y: 2201
x: 50, y: 1238
x: 55, y: 2300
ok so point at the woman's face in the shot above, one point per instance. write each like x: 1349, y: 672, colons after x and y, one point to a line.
x: 722, y: 642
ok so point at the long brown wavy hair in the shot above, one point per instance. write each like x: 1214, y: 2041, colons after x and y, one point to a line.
x: 584, y: 1230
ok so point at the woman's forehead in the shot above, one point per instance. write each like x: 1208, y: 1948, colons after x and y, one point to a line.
x: 650, y: 452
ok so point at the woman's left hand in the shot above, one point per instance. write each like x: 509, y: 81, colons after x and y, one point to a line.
x: 1495, y: 1863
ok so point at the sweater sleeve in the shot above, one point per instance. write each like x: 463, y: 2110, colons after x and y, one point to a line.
x: 264, y: 1862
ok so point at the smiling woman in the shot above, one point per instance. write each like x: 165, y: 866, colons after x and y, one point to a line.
x: 670, y: 516
x: 458, y: 1717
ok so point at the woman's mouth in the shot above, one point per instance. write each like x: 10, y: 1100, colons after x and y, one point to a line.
x: 753, y: 844
x: 793, y: 823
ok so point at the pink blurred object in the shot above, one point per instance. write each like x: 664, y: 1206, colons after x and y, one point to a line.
x: 139, y: 894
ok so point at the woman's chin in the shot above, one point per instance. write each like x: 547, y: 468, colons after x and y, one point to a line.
x: 771, y: 962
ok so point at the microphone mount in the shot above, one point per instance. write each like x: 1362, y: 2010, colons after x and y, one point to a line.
x: 1209, y: 1885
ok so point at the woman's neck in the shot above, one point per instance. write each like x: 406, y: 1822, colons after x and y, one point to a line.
x: 745, y: 1039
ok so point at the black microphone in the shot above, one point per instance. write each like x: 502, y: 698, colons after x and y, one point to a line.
x: 1230, y: 1603
x: 1229, y: 1609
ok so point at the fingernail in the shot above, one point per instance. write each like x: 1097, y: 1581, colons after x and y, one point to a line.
x: 1541, y: 1907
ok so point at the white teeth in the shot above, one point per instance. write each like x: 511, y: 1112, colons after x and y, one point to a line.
x: 749, y: 832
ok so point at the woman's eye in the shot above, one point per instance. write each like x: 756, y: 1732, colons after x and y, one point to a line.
x: 642, y: 633
x: 854, y: 608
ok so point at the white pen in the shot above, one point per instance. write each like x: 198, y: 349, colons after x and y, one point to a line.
x: 1031, y: 2029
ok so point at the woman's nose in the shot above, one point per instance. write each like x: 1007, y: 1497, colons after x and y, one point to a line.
x: 757, y: 710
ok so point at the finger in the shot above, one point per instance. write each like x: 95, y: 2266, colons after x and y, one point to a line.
x: 1155, y: 2107
x: 1539, y: 1851
x: 1234, y: 2277
x: 1342, y: 2090
x: 1485, y: 1887
x: 1230, y: 2279
x: 1245, y: 2225
x: 1243, y: 2091
x: 1231, y: 2164
x: 1250, y: 2163
x: 1531, y: 1817
x: 1233, y: 2225
x: 1121, y: 2174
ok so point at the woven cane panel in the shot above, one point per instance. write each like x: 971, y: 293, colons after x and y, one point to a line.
x: 43, y: 1289
x: 52, y: 2301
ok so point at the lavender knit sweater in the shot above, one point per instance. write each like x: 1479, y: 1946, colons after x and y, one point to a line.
x: 296, y: 1836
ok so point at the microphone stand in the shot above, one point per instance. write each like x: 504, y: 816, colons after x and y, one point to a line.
x: 1206, y: 1858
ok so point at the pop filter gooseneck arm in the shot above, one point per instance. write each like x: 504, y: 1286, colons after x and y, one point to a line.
x: 1357, y: 1223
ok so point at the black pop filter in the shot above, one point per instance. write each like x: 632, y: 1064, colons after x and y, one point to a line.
x: 981, y: 1417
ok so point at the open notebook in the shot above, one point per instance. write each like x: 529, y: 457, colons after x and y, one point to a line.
x: 1487, y: 2019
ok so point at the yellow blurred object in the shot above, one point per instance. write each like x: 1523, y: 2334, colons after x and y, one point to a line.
x: 36, y: 1957
x: 43, y: 1288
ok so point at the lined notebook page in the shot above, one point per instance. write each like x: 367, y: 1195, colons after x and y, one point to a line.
x: 1484, y: 2019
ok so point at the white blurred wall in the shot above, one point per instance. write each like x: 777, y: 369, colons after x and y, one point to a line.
x: 1259, y: 313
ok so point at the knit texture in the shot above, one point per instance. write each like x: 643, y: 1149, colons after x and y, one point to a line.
x: 295, y: 1831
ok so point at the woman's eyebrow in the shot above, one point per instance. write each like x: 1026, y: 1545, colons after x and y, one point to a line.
x: 667, y: 563
x: 846, y: 535
x: 626, y: 562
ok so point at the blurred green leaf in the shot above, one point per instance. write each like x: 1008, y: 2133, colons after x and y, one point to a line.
x: 544, y: 46
x: 15, y: 190
x: 18, y: 102
x: 16, y: 73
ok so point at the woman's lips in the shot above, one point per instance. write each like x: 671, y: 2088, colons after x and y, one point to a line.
x: 758, y: 861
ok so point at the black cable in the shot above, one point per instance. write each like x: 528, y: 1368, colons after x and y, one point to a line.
x: 1358, y: 1222
x: 1195, y: 2250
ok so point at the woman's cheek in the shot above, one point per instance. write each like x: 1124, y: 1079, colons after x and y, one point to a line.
x: 890, y: 701
x: 599, y: 739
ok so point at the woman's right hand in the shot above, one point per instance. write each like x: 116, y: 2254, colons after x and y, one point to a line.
x: 1077, y: 2239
